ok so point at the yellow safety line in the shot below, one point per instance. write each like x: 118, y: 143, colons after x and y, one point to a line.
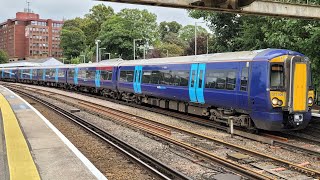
x: 20, y: 162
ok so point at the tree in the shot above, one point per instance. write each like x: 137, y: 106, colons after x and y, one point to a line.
x: 187, y: 32
x: 224, y: 26
x: 173, y: 49
x: 119, y: 31
x: 91, y: 24
x: 72, y: 42
x: 76, y: 60
x: 4, y: 58
x: 169, y: 27
x: 201, y: 45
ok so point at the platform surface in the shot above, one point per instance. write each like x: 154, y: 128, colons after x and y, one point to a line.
x: 32, y: 148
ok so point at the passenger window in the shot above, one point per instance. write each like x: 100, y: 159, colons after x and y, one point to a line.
x: 193, y: 78
x: 200, y: 78
x: 221, y: 79
x: 244, y: 79
x: 156, y: 77
x: 146, y: 77
x: 109, y: 75
x: 129, y: 76
x: 123, y: 76
x: 231, y: 80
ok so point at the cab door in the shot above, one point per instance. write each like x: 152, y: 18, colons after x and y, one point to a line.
x: 137, y: 79
x: 196, y: 83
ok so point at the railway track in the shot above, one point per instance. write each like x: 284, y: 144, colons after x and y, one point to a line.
x: 163, y: 131
x: 147, y: 161
x: 201, y: 121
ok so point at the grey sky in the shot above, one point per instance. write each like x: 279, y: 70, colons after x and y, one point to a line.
x: 59, y: 9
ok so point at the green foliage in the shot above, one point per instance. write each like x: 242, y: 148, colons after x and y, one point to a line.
x: 173, y: 49
x: 119, y: 31
x: 168, y: 27
x: 187, y: 32
x: 76, y: 60
x: 236, y: 33
x: 4, y: 58
x: 72, y: 41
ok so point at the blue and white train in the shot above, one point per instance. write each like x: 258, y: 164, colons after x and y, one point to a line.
x: 267, y: 89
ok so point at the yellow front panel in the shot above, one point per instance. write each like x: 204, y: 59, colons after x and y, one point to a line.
x: 282, y: 96
x: 300, y: 88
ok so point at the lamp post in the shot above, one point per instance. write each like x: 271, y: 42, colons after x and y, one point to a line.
x: 167, y: 52
x: 97, y: 50
x: 208, y: 44
x: 100, y: 53
x: 109, y: 55
x: 195, y: 37
x: 134, y: 48
x: 84, y: 58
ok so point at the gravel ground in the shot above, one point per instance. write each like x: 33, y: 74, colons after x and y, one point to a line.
x: 185, y: 162
x: 253, y: 145
x: 106, y: 158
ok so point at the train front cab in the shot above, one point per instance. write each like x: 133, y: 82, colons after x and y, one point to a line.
x: 289, y: 95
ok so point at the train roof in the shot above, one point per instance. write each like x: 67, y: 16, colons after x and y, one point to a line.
x: 256, y: 55
x: 111, y: 62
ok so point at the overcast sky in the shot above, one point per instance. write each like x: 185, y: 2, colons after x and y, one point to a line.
x: 59, y: 9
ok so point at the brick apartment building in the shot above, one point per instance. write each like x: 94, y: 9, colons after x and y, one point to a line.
x: 29, y: 37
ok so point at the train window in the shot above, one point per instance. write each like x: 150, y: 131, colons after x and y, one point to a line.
x: 109, y: 75
x: 156, y: 77
x: 231, y: 80
x: 90, y: 74
x: 184, y: 77
x: 277, y: 76
x: 193, y: 78
x: 61, y: 73
x: 71, y: 73
x: 106, y: 75
x: 200, y: 78
x: 146, y: 77
x: 126, y: 76
x: 123, y: 76
x: 82, y: 74
x: 167, y: 78
x: 244, y: 79
x: 129, y: 76
x: 40, y: 72
x: 221, y: 79
x: 34, y: 72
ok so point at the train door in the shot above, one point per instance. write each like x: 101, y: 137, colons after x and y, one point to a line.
x: 196, y: 83
x: 137, y: 79
x: 75, y: 76
x: 97, y: 78
x: 243, y: 91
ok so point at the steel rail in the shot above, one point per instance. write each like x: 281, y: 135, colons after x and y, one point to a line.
x: 236, y: 167
x: 200, y: 121
x: 100, y: 108
x: 154, y: 165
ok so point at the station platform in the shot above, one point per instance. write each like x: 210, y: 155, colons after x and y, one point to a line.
x: 32, y: 148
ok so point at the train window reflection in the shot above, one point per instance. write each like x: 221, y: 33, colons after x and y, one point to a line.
x: 277, y: 76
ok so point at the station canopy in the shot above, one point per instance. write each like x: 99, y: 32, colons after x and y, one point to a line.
x: 33, y: 63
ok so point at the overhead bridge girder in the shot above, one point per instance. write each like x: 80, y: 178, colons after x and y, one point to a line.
x: 258, y: 7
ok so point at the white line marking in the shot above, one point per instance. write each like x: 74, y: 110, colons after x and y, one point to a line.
x: 84, y: 160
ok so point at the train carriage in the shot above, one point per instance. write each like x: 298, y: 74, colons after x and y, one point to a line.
x: 96, y: 78
x: 9, y: 74
x: 267, y: 89
x: 256, y: 89
x: 52, y: 75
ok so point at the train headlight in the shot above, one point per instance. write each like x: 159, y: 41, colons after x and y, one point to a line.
x: 310, y: 100
x: 275, y: 101
x: 280, y: 103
